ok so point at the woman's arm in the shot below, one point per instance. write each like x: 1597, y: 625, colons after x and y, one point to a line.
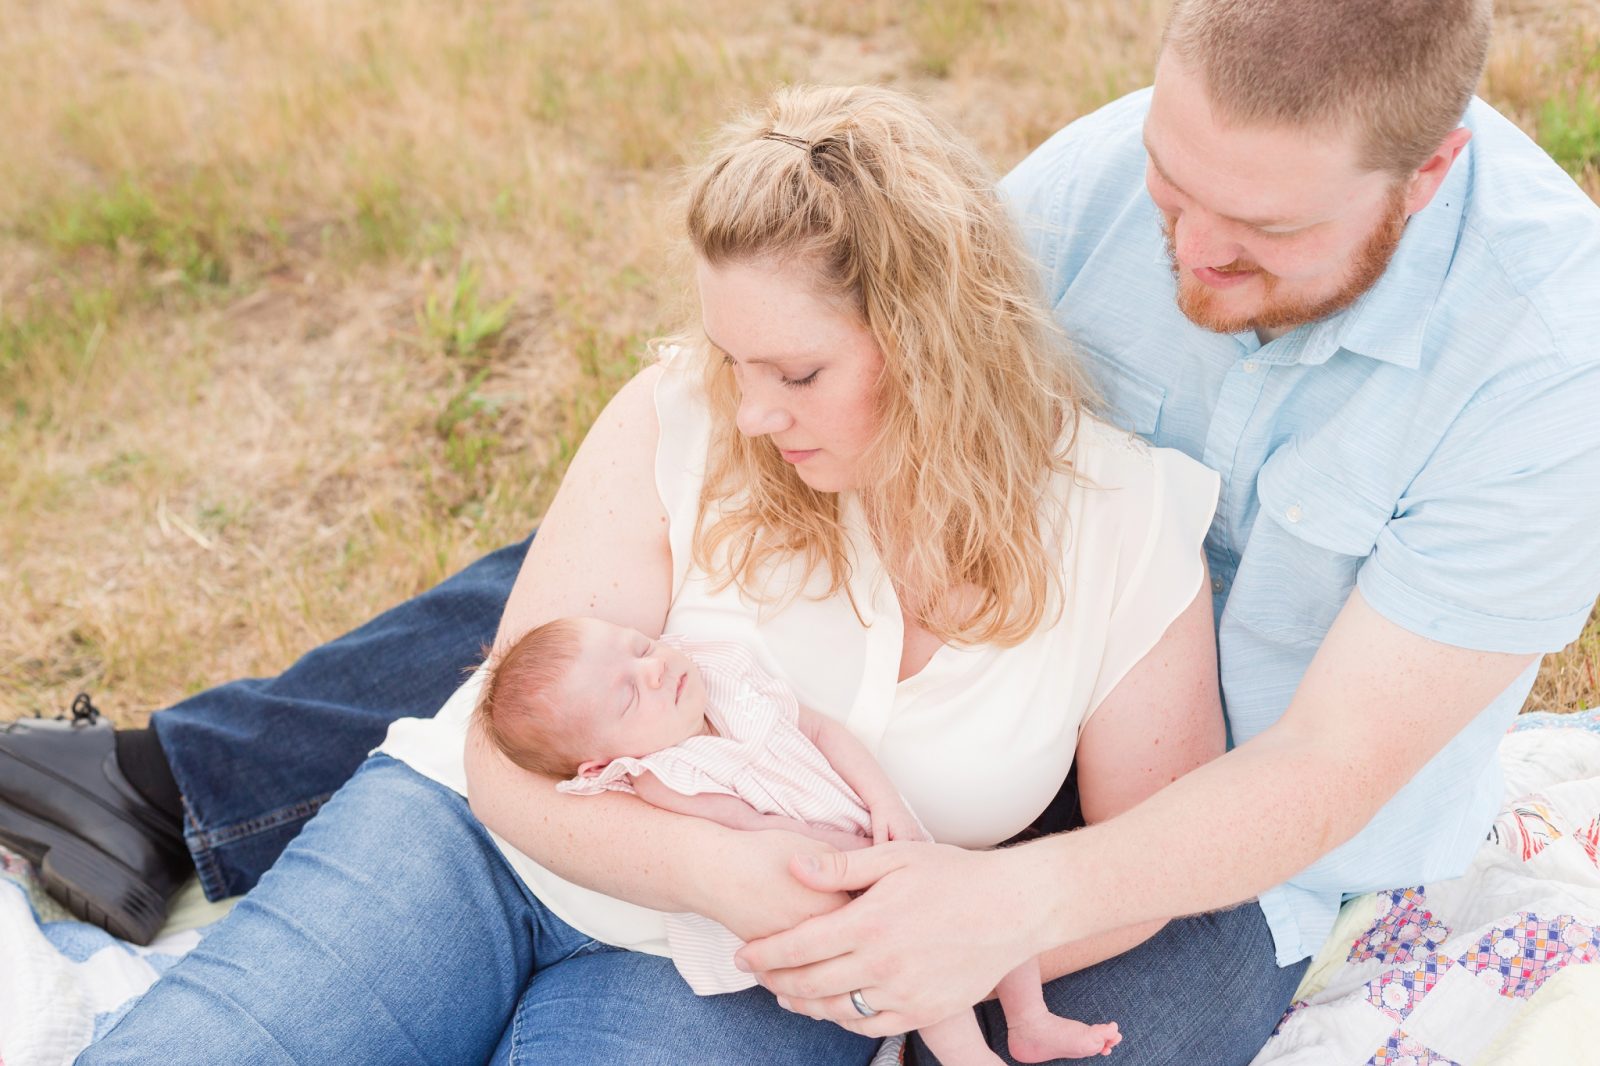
x: 603, y: 551
x: 1161, y: 721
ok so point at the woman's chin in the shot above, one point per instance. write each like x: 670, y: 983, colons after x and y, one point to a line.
x: 825, y: 480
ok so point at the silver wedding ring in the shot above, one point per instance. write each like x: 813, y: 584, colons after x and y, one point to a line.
x: 859, y: 1002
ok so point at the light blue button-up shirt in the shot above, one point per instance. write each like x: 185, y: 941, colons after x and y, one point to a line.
x: 1437, y: 445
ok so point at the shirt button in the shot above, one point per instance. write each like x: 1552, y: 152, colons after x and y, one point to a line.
x: 1216, y: 584
x: 1250, y: 366
x: 1294, y: 514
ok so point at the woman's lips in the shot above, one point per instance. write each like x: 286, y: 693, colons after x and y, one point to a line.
x: 798, y: 457
x: 1219, y: 279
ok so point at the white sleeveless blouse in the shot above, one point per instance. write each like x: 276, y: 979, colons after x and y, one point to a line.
x: 980, y: 740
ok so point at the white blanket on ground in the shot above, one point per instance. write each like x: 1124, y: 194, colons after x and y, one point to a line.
x: 1495, y: 968
x: 62, y: 982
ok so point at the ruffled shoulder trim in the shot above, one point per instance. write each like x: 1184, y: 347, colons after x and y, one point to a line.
x: 676, y: 767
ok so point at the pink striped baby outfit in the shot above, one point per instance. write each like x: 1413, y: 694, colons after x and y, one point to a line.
x: 760, y: 757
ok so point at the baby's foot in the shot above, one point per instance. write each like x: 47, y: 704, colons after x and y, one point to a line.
x: 1045, y: 1037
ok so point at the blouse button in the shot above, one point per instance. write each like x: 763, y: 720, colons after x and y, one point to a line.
x: 1294, y: 514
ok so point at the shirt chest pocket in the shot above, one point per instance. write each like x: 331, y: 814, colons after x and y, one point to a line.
x: 1128, y: 400
x: 1311, y: 535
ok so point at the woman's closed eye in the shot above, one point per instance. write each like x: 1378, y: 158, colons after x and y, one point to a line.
x: 789, y: 382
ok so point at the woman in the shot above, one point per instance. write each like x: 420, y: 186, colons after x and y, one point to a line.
x: 869, y: 464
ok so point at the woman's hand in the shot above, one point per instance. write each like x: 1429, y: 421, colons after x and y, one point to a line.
x: 924, y: 938
x: 761, y: 898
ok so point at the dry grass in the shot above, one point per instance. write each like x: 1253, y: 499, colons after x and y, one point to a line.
x: 305, y: 305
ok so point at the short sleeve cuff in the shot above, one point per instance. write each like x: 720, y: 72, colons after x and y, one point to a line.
x: 1299, y: 919
x: 1452, y: 623
x: 1171, y: 567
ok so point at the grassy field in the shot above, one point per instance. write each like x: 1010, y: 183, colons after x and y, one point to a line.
x: 304, y: 305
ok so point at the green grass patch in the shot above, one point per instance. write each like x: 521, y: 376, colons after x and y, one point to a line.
x: 186, y: 229
x: 1569, y: 129
x: 50, y: 339
x: 384, y: 223
x: 458, y: 321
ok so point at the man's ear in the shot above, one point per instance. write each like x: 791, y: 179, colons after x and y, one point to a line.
x: 1427, y: 178
x: 593, y: 767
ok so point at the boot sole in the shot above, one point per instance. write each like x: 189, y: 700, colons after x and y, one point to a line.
x: 120, y: 903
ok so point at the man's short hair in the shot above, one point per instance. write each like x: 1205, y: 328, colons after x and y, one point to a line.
x: 1399, y: 71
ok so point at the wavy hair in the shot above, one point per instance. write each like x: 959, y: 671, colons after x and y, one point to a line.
x: 898, y: 217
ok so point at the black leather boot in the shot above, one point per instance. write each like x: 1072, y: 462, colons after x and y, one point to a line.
x: 109, y: 856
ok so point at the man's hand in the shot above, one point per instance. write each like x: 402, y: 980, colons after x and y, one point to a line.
x: 920, y: 940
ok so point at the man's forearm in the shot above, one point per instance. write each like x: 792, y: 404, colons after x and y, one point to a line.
x: 1229, y: 829
x: 1081, y: 954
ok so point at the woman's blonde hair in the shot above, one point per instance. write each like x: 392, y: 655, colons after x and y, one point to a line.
x: 898, y: 218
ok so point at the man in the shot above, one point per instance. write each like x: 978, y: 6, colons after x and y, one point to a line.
x: 1293, y: 261
x: 1309, y: 259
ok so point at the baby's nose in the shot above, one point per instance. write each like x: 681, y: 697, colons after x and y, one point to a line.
x: 655, y: 668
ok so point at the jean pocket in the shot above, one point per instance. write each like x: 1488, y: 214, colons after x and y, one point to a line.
x: 1127, y: 400
x: 1310, y: 538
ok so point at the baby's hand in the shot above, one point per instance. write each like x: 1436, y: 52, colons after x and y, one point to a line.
x: 893, y: 820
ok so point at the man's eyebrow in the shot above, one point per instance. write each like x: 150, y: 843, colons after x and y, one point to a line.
x: 1255, y: 223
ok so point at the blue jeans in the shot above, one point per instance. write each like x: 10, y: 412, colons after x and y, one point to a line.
x: 392, y: 931
x: 256, y: 758
x: 1204, y: 991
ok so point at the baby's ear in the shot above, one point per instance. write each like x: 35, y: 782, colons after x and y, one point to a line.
x: 593, y: 767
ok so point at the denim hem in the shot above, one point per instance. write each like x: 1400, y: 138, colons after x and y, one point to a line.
x: 206, y: 846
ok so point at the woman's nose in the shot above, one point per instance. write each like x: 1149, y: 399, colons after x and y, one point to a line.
x: 758, y: 416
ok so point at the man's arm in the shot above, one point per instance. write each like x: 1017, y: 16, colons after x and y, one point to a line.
x: 1375, y: 705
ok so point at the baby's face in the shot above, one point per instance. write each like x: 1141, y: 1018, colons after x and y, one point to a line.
x: 635, y: 695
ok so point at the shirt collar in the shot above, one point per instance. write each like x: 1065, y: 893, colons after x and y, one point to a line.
x: 1387, y: 322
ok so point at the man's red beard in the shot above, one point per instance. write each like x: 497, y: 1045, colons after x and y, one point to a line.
x: 1203, y: 305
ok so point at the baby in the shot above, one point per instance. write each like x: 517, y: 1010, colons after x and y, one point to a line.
x: 697, y: 727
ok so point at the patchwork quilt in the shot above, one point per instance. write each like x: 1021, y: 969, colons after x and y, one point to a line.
x: 1493, y: 967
